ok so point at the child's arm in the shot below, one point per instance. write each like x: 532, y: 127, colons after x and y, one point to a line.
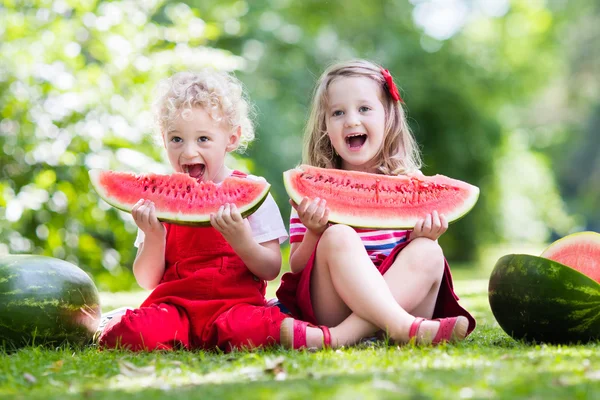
x: 301, y: 252
x: 264, y: 259
x: 315, y: 217
x: 149, y: 264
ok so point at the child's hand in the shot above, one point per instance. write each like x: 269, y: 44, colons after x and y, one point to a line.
x: 144, y: 215
x: 230, y: 223
x: 313, y: 215
x: 432, y: 226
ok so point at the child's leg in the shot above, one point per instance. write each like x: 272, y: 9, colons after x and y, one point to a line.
x: 415, y: 276
x: 414, y: 280
x: 157, y: 327
x: 248, y: 326
x: 344, y: 279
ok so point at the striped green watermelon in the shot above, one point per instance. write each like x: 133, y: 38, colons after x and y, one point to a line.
x: 179, y: 198
x: 367, y: 200
x: 46, y: 301
x: 537, y: 299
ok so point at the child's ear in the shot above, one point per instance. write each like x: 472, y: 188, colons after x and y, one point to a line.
x: 234, y: 139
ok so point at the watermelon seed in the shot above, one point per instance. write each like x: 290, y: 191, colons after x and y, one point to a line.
x: 153, y: 189
x: 145, y: 188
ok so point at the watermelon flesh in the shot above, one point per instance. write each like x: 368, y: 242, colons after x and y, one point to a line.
x: 380, y: 201
x: 178, y: 198
x: 580, y: 251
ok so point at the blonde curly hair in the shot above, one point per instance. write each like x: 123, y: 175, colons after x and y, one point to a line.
x: 399, y: 153
x: 220, y: 94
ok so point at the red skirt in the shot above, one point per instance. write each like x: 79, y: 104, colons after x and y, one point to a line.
x: 294, y: 291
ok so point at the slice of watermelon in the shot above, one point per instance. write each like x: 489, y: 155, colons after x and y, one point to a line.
x: 580, y: 251
x: 380, y: 201
x: 178, y: 198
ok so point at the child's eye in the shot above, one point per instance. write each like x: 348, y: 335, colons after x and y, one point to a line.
x: 337, y: 113
x: 203, y: 138
x: 176, y: 139
x: 364, y: 109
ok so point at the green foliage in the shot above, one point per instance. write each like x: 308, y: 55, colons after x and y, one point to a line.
x: 76, y: 82
x: 453, y: 89
x: 79, y: 98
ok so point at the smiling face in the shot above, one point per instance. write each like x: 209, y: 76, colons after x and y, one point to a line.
x: 197, y: 145
x: 355, y: 121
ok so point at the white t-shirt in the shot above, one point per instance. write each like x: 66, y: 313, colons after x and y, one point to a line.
x: 266, y: 222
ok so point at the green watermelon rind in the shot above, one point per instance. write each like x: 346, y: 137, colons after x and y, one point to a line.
x: 46, y: 301
x: 362, y: 222
x: 535, y: 299
x: 180, y: 218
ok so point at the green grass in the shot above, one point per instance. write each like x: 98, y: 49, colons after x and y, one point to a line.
x: 487, y: 365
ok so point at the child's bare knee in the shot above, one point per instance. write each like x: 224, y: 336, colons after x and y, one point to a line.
x: 429, y: 254
x: 339, y: 236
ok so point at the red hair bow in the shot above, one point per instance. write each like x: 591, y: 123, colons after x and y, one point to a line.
x: 391, y: 86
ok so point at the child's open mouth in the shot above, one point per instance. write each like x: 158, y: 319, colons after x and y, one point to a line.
x: 356, y: 140
x: 194, y: 170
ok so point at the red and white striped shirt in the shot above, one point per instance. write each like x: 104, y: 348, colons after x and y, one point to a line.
x: 378, y: 242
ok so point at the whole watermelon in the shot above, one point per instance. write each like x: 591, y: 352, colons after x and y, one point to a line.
x: 47, y: 301
x: 537, y: 299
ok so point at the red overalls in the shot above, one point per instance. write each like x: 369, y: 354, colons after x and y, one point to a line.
x: 207, y: 298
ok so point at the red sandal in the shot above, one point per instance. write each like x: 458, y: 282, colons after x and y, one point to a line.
x: 451, y: 329
x: 293, y: 334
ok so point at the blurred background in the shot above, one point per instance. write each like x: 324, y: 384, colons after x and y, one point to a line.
x: 504, y: 94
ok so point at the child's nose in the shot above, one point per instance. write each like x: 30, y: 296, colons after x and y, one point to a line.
x: 190, y: 150
x: 352, y: 120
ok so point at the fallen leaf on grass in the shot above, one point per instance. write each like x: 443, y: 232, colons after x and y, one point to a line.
x: 29, y: 378
x: 274, y: 366
x: 55, y: 383
x: 252, y: 373
x: 131, y: 370
x: 57, y: 365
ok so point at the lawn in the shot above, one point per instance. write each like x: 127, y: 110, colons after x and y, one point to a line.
x: 488, y: 364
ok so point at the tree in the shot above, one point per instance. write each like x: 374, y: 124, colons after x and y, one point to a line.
x: 76, y: 83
